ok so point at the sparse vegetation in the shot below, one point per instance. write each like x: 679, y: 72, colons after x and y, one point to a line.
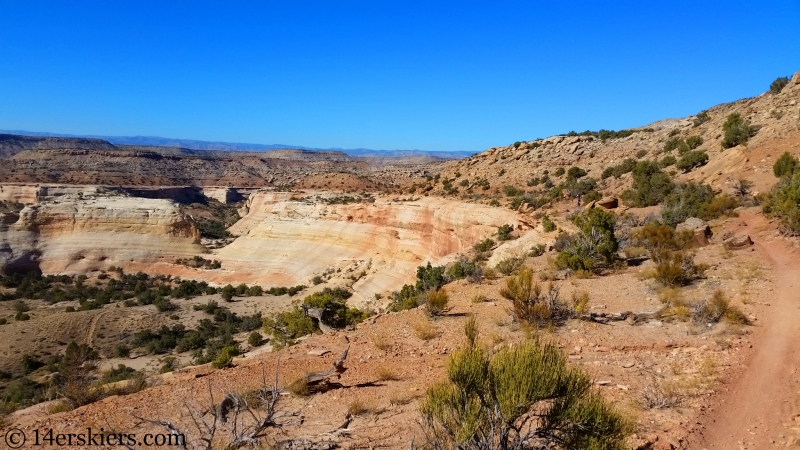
x: 783, y: 201
x: 522, y: 397
x: 198, y: 262
x: 650, y: 185
x: 737, y: 131
x: 691, y: 160
x: 547, y: 224
x: 531, y: 305
x: 593, y: 247
x: 695, y: 200
x: 777, y: 86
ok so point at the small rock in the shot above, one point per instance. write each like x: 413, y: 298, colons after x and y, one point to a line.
x: 737, y: 242
x: 622, y: 387
x: 628, y: 364
x: 603, y: 383
x: 318, y: 352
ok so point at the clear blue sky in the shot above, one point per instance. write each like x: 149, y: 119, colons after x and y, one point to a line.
x: 430, y: 75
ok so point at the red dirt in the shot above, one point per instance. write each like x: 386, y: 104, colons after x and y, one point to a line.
x: 760, y: 408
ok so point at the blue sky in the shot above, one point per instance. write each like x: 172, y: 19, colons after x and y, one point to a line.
x: 432, y: 75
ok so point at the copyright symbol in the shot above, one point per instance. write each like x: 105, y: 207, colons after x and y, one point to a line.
x: 15, y: 438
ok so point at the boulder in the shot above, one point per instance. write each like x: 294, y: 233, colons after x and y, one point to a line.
x: 608, y: 202
x: 699, y: 228
x: 738, y: 241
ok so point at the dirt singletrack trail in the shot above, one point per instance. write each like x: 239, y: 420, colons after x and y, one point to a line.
x: 760, y: 404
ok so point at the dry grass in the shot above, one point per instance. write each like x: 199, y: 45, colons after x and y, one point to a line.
x: 647, y: 274
x: 382, y: 342
x: 385, y: 373
x: 671, y: 296
x: 359, y: 407
x: 479, y: 298
x: 299, y: 387
x: 424, y: 329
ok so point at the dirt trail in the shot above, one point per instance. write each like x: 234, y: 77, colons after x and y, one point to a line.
x: 93, y: 328
x: 758, y: 409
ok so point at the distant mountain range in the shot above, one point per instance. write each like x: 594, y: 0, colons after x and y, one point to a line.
x: 240, y: 147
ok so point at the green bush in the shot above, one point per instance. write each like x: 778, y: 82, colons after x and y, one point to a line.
x: 691, y: 160
x: 560, y: 171
x: 783, y: 202
x: 255, y: 339
x: 547, y: 224
x: 530, y: 304
x: 225, y: 358
x: 695, y: 200
x: 575, y: 172
x: 507, y: 266
x: 537, y: 250
x: 785, y: 165
x: 667, y: 161
x: 517, y: 397
x: 701, y: 118
x: 595, y: 245
x: 693, y: 142
x: 736, y: 131
x: 777, y: 86
x: 676, y: 268
x: 650, y: 185
x: 511, y: 191
x: 484, y: 245
x: 504, y: 232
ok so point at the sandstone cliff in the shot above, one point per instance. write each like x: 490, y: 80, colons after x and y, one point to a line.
x: 77, y: 233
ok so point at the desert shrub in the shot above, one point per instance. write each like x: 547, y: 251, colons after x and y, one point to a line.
x: 405, y: 298
x: 622, y: 168
x: 718, y: 308
x: 641, y: 153
x: 436, y: 302
x: 701, y: 118
x: 511, y: 191
x: 575, y: 172
x: 335, y: 312
x: 783, y: 202
x: 461, y: 268
x: 537, y: 250
x: 430, y: 278
x: 255, y: 339
x: 785, y: 165
x: 504, y: 232
x: 30, y: 364
x: 119, y: 373
x: 560, y: 171
x: 650, y: 185
x: 694, y: 141
x: 521, y: 397
x: 667, y: 161
x: 170, y: 363
x: 594, y: 246
x: 655, y: 236
x: 691, y: 160
x: 22, y: 392
x: 547, y: 224
x: 122, y: 351
x: 287, y: 326
x: 484, y: 245
x: 225, y: 358
x: 737, y: 131
x: 580, y: 301
x: 509, y: 265
x: 676, y: 268
x: 675, y: 143
x: 530, y: 304
x: 777, y: 86
x: 695, y: 200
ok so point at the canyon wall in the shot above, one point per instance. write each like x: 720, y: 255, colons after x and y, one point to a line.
x: 285, y: 240
x: 81, y: 232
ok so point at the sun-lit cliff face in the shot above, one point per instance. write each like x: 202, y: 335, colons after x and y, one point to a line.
x: 287, y: 240
x: 79, y: 232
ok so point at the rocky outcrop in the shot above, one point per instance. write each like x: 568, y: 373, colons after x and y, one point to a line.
x: 738, y: 241
x: 698, y: 228
x: 76, y: 233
